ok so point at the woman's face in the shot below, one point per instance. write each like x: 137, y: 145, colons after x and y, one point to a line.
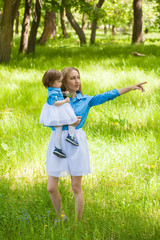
x: 73, y: 81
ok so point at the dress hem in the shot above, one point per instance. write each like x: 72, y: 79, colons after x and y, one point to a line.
x: 67, y: 174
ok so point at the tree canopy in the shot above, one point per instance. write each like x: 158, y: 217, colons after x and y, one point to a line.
x: 49, y: 15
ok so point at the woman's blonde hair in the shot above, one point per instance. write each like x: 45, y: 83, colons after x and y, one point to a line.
x: 65, y: 72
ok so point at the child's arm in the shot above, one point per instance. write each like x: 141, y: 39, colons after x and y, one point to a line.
x: 59, y: 103
x: 133, y: 87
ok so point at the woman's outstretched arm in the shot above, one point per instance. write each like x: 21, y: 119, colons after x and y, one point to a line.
x: 133, y: 87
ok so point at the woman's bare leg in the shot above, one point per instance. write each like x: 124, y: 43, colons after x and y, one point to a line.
x: 54, y: 194
x: 78, y: 193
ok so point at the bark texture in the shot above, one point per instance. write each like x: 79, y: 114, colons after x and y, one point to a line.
x: 84, y: 21
x: 34, y: 28
x: 137, y: 36
x: 10, y: 10
x: 94, y: 23
x: 105, y: 29
x: 25, y: 27
x: 17, y: 23
x: 48, y: 27
x: 114, y: 30
x: 53, y: 30
x: 74, y: 24
x: 76, y: 27
x: 62, y: 16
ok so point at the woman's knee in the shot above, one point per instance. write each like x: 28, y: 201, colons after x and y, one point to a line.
x: 76, y: 188
x: 52, y: 189
x: 52, y: 184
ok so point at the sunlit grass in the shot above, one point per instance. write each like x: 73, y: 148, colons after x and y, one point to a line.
x: 122, y: 193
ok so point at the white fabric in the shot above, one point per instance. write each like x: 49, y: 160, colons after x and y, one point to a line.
x: 58, y: 135
x: 57, y: 115
x: 71, y: 130
x: 76, y: 163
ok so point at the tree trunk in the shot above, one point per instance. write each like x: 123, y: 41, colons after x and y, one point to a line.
x: 113, y: 30
x: 6, y: 29
x: 84, y: 21
x: 64, y: 32
x: 88, y: 25
x: 93, y: 31
x: 0, y: 16
x: 47, y: 27
x: 53, y: 29
x: 15, y: 7
x: 94, y: 23
x: 137, y: 36
x: 34, y: 28
x: 74, y: 24
x: 25, y: 27
x: 17, y: 23
x: 76, y: 27
x: 105, y: 29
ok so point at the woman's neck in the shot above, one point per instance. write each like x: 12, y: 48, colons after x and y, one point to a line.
x: 73, y: 93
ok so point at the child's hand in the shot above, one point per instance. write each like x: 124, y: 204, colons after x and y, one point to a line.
x: 67, y: 92
x: 67, y: 99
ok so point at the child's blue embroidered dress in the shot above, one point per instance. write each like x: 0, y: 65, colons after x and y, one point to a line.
x: 56, y: 115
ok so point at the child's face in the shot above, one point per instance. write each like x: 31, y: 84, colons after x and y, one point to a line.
x: 57, y: 83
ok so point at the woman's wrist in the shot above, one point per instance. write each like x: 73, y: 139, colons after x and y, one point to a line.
x: 130, y: 88
x: 138, y: 86
x: 124, y: 90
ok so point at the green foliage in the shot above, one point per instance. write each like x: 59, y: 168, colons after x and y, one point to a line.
x: 119, y: 121
x: 50, y: 5
x: 157, y: 7
x: 122, y: 192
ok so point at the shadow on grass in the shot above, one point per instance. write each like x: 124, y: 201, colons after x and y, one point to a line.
x: 27, y: 213
x: 47, y: 57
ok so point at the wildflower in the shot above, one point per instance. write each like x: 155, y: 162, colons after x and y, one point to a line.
x: 116, y: 123
x: 87, y: 219
x: 62, y: 215
x: 45, y: 225
x: 152, y: 166
x: 116, y: 184
x: 35, y: 129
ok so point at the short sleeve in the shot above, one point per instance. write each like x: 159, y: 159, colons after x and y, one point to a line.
x: 52, y: 98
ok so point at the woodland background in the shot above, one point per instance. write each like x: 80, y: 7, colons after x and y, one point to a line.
x: 113, y: 43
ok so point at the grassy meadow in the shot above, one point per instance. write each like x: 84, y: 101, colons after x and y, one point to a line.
x: 122, y: 194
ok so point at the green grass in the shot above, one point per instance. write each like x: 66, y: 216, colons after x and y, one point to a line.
x: 122, y: 192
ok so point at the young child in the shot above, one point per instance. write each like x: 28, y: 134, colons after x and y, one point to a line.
x: 57, y: 111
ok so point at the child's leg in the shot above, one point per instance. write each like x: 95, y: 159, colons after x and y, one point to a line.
x: 71, y: 130
x: 58, y: 135
x: 70, y: 138
x: 58, y: 149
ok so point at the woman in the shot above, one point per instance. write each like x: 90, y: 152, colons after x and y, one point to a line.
x: 77, y: 162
